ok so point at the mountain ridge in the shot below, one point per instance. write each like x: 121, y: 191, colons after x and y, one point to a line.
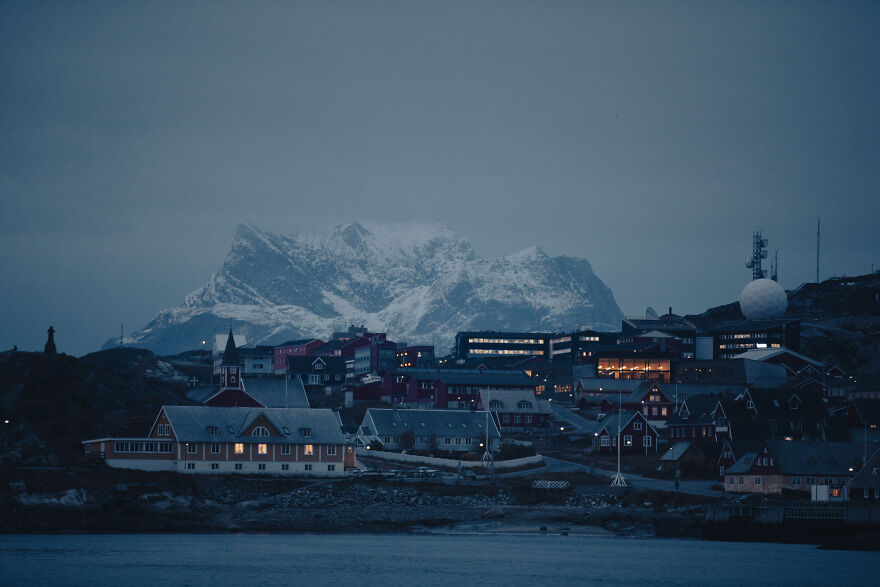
x: 420, y: 282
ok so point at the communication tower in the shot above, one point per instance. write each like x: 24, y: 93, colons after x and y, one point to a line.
x: 759, y: 252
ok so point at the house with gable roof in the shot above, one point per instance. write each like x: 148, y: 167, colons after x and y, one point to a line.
x: 515, y: 410
x: 636, y: 434
x: 211, y: 440
x: 785, y: 465
x: 449, y: 431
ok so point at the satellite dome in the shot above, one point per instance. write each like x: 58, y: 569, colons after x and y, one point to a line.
x: 763, y: 299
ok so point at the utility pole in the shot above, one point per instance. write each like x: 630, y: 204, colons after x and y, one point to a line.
x: 818, y: 234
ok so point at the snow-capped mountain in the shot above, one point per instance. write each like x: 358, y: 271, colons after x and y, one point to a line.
x: 420, y: 283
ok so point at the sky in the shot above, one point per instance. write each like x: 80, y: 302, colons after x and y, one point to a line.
x: 651, y: 138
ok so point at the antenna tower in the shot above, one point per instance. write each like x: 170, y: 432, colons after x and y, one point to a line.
x: 759, y: 252
x: 774, y: 267
x: 818, y: 234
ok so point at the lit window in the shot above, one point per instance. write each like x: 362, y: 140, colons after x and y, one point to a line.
x: 239, y: 448
x: 627, y: 440
x: 262, y: 449
x: 308, y: 450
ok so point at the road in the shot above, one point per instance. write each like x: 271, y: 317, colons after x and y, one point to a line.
x: 694, y: 487
x: 573, y: 422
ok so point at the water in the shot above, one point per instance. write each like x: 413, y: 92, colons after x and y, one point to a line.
x: 423, y: 560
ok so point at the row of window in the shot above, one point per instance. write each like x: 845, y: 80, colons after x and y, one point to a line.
x: 605, y: 440
x: 507, y: 340
x: 260, y: 467
x: 143, y: 446
x: 795, y: 481
x: 262, y: 449
x: 163, y: 430
x: 516, y: 419
x: 504, y: 352
x: 427, y: 440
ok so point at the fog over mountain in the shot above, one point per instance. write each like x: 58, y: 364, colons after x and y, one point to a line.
x: 419, y: 282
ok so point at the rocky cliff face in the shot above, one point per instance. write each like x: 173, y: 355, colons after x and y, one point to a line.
x: 421, y: 283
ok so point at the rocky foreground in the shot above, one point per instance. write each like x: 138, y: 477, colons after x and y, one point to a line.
x: 235, y: 505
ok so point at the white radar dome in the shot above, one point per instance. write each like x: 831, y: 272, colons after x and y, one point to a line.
x: 763, y: 299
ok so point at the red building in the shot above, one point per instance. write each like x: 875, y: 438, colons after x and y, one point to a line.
x: 293, y: 348
x: 515, y: 410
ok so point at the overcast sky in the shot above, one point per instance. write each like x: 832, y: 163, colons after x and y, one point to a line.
x: 651, y: 138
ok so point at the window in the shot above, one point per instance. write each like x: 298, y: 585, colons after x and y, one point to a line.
x: 637, y: 425
x: 192, y: 448
x: 516, y: 418
x: 215, y: 466
x: 524, y: 405
x: 307, y: 468
x: 528, y: 419
x: 506, y: 418
x: 447, y: 440
x: 239, y: 448
x: 741, y: 480
x: 308, y: 450
x: 331, y: 449
x: 306, y: 432
x: 331, y: 467
x: 238, y: 466
x: 757, y: 480
x: 647, y: 440
x: 458, y: 440
x: 285, y: 466
x: 731, y: 481
x: 795, y: 480
x: 285, y: 449
x: 261, y: 466
x: 662, y: 411
x: 260, y: 431
x: 215, y: 448
x: 190, y: 466
x: 262, y: 449
x: 827, y: 480
x: 627, y: 440
x: 811, y: 480
x: 214, y: 430
x: 605, y: 441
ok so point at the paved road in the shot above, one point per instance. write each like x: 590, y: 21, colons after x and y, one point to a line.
x: 694, y: 487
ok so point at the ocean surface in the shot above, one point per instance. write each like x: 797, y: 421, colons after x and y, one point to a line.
x: 446, y: 559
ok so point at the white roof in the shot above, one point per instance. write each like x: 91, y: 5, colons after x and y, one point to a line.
x: 765, y: 354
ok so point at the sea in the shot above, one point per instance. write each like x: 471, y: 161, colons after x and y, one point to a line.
x: 416, y: 560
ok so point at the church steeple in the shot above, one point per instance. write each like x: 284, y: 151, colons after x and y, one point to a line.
x: 49, y: 349
x: 230, y: 370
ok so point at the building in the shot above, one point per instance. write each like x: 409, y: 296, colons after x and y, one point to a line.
x: 516, y: 410
x: 671, y: 324
x: 250, y: 441
x: 791, y: 466
x: 254, y: 392
x: 460, y: 388
x: 257, y: 360
x: 653, y: 366
x: 380, y: 356
x: 317, y: 373
x: 865, y: 485
x: 636, y: 434
x: 488, y: 343
x: 221, y: 344
x: 738, y: 371
x: 436, y: 431
x: 736, y: 338
x: 304, y: 347
x: 415, y: 357
x: 688, y: 456
x: 578, y: 347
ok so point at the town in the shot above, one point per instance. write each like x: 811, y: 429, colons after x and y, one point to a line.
x: 730, y: 403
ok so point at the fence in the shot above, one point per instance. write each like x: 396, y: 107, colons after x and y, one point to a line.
x: 447, y: 463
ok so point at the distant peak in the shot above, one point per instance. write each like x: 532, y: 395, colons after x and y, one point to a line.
x: 533, y: 252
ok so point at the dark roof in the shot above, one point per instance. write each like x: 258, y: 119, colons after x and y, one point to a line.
x: 230, y: 357
x: 191, y: 424
x: 488, y: 377
x: 816, y: 458
x: 867, y: 409
x: 700, y: 410
x: 277, y: 392
x: 752, y: 325
x: 392, y: 422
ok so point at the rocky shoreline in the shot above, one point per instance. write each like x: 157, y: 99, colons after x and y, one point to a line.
x: 342, y: 507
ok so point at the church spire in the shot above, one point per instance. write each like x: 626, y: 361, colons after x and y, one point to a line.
x: 49, y: 349
x: 230, y: 370
x: 230, y: 356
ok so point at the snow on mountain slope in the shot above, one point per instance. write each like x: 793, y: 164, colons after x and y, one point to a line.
x: 419, y: 282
